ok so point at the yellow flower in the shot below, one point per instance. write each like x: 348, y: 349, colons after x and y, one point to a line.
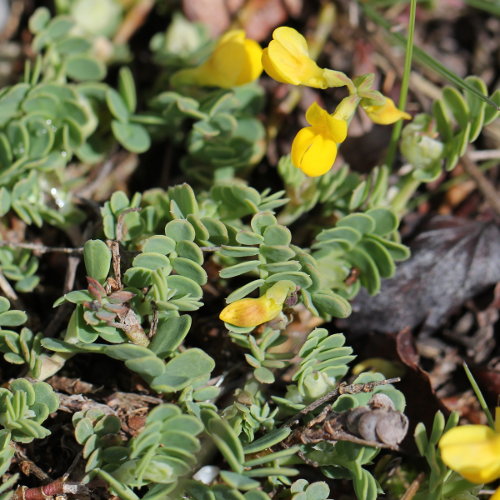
x: 473, y: 451
x: 287, y: 60
x: 236, y: 60
x: 386, y: 113
x: 314, y: 148
x: 253, y: 312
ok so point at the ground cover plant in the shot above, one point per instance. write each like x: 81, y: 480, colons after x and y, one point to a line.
x: 249, y: 250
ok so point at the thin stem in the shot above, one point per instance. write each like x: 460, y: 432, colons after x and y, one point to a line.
x: 396, y: 131
x: 407, y: 190
x: 479, y: 396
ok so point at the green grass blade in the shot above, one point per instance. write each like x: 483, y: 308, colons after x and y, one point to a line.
x: 479, y: 396
x: 422, y: 57
x: 491, y: 7
x: 396, y: 131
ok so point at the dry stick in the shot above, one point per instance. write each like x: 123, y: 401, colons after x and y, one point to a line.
x: 133, y: 21
x: 38, y: 248
x: 341, y: 389
x: 55, y: 489
x: 414, y: 487
x: 29, y: 467
x: 483, y: 184
x: 10, y: 293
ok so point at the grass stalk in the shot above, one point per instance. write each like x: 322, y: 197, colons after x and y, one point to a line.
x: 403, y: 96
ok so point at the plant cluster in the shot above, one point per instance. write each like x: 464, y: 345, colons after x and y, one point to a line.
x: 157, y: 254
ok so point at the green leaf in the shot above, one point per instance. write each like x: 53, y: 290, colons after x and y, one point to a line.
x: 238, y: 481
x: 275, y: 234
x: 180, y: 230
x: 369, y: 277
x: 169, y: 335
x: 117, y: 105
x: 299, y: 278
x: 184, y: 197
x: 239, y: 269
x: 148, y: 366
x: 268, y: 440
x: 126, y: 86
x: 360, y: 222
x: 397, y: 250
x: 84, y: 68
x: 437, y: 428
x: 233, y: 251
x: 97, y: 258
x: 264, y: 375
x: 152, y: 260
x: 386, y: 220
x: 244, y: 290
x: 13, y: 318
x: 225, y: 439
x: 159, y: 244
x: 131, y: 136
x: 59, y: 26
x: 381, y: 257
x: 276, y: 253
x: 182, y: 370
x: 332, y: 304
x: 458, y: 105
x: 39, y: 19
x: 73, y: 45
x: 249, y: 238
x: 189, y: 269
x: 184, y: 287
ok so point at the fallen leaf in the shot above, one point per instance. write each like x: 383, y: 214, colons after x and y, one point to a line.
x: 452, y: 260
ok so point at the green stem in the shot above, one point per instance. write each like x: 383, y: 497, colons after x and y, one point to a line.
x: 396, y: 131
x: 408, y: 187
x: 479, y: 396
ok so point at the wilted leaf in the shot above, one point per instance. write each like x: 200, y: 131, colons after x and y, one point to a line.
x: 452, y: 260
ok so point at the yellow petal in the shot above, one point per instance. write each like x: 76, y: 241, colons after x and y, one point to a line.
x: 287, y: 60
x: 497, y: 419
x: 473, y: 451
x: 313, y: 153
x: 234, y: 61
x: 333, y: 128
x: 250, y: 312
x: 385, y: 114
x: 252, y: 68
x: 496, y: 495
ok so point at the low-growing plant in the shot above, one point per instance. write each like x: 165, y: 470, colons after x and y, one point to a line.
x: 242, y: 423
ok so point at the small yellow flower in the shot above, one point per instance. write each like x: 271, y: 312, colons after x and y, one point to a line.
x: 473, y: 451
x: 236, y: 60
x: 287, y: 60
x: 314, y: 148
x: 253, y: 312
x: 386, y: 113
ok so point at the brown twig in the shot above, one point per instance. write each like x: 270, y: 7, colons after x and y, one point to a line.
x: 341, y: 389
x: 29, y: 467
x: 414, y: 487
x: 487, y: 189
x: 10, y: 293
x: 38, y: 248
x: 133, y: 21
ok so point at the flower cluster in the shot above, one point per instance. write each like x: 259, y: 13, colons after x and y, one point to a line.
x: 237, y: 60
x: 314, y: 148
